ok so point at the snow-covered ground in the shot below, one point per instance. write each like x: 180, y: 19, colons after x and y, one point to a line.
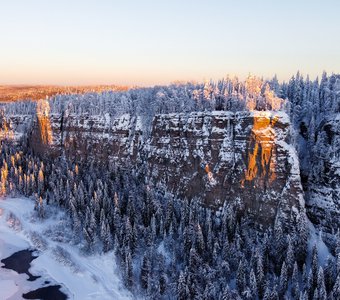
x: 315, y: 239
x: 81, y: 277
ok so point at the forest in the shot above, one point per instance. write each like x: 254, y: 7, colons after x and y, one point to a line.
x: 173, y: 248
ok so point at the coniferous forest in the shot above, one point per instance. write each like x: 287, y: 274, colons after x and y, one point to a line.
x: 172, y: 247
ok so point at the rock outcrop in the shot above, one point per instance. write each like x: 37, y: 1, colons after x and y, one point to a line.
x: 244, y: 158
x: 80, y: 137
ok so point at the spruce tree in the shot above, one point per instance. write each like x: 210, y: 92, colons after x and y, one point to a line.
x: 295, y: 289
x: 182, y: 288
x: 322, y: 294
x: 145, y: 271
x: 336, y: 288
x: 253, y: 284
x: 283, y: 280
x: 240, y: 277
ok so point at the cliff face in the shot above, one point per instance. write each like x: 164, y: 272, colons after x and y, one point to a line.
x: 244, y: 158
x: 81, y: 137
x: 15, y: 127
x: 221, y: 157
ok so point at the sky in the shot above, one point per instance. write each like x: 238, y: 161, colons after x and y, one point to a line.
x: 149, y: 42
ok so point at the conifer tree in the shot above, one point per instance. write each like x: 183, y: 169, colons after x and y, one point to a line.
x: 283, y: 280
x: 128, y: 270
x: 336, y: 288
x: 253, y: 284
x: 295, y: 282
x: 182, y: 288
x: 322, y: 294
x: 145, y: 271
x: 240, y: 277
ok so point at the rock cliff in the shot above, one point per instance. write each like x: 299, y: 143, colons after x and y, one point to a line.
x: 244, y: 158
x: 220, y: 157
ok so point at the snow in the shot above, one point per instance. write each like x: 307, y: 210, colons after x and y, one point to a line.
x: 88, y: 277
x: 8, y: 288
x: 315, y: 238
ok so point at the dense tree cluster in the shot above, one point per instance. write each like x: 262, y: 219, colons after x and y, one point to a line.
x: 312, y: 105
x: 168, y: 246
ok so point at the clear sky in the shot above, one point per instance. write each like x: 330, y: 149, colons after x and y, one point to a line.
x: 146, y: 42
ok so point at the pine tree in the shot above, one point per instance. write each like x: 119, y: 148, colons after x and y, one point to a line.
x: 240, y: 277
x: 89, y: 239
x: 338, y: 264
x: 310, y: 285
x: 322, y: 294
x: 107, y: 241
x: 315, y: 264
x: 267, y: 293
x: 41, y: 181
x: 304, y: 276
x: 253, y: 284
x: 295, y: 282
x: 199, y: 240
x: 229, y: 295
x: 182, y: 288
x: 274, y: 294
x: 128, y: 270
x: 145, y: 271
x: 209, y: 292
x: 290, y: 259
x: 330, y: 273
x: 336, y: 288
x: 279, y: 244
x: 303, y: 296
x: 260, y: 275
x: 162, y: 283
x: 301, y: 240
x: 283, y: 280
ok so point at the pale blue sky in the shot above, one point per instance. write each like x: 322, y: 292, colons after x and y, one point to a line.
x: 155, y: 42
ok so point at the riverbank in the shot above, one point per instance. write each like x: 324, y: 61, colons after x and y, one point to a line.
x: 59, y: 262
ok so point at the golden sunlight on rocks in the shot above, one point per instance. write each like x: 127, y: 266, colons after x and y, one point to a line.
x: 261, y: 163
x: 43, y: 110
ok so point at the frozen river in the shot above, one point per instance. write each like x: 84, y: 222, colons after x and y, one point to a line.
x: 55, y: 261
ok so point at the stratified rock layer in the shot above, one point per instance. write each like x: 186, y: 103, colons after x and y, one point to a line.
x: 222, y: 157
x: 218, y: 158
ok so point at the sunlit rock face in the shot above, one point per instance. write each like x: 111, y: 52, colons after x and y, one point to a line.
x: 222, y: 157
x: 44, y: 122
